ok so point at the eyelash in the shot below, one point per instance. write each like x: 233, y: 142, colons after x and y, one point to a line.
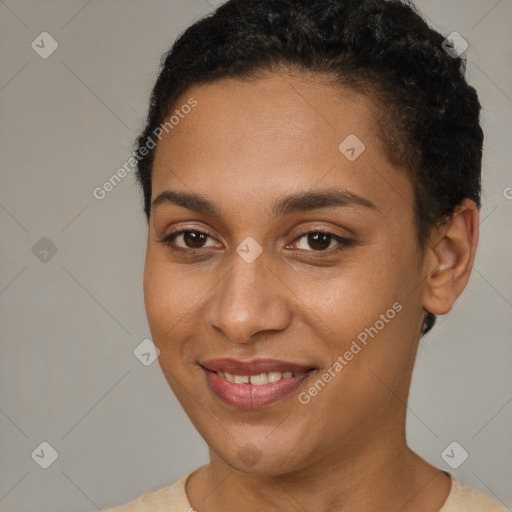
x: 169, y: 239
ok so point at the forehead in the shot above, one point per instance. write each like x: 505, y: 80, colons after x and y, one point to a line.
x: 254, y: 140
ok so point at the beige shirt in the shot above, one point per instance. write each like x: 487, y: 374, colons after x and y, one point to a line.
x: 174, y: 499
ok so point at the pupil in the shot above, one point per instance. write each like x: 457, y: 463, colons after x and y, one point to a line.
x: 189, y: 239
x: 313, y: 239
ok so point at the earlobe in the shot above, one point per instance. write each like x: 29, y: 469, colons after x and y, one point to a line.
x: 450, y: 257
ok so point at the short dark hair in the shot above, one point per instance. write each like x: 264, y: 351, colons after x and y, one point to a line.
x: 428, y: 115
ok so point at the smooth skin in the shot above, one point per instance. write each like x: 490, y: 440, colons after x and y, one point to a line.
x: 244, y: 146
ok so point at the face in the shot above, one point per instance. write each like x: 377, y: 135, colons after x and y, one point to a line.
x: 280, y: 252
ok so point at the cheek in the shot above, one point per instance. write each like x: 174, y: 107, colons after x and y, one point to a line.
x: 168, y: 296
x: 365, y: 315
x: 348, y: 299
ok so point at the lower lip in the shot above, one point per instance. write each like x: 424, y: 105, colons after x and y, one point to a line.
x: 250, y: 396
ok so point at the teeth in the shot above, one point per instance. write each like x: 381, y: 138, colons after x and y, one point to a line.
x: 258, y: 380
x: 274, y: 376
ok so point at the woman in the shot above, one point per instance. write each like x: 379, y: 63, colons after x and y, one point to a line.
x: 311, y: 178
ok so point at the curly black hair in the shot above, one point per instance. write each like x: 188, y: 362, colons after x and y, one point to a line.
x: 428, y: 115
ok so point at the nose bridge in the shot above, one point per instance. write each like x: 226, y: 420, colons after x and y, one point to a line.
x: 248, y: 298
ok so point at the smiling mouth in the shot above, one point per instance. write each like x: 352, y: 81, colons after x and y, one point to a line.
x: 254, y: 384
x: 259, y: 379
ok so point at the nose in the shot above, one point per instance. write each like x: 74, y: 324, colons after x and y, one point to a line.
x: 249, y: 299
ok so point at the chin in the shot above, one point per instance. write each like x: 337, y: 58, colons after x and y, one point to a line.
x: 259, y: 455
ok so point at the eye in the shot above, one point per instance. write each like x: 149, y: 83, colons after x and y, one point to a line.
x: 192, y: 238
x: 320, y: 241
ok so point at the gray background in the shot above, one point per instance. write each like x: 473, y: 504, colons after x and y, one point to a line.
x: 68, y: 326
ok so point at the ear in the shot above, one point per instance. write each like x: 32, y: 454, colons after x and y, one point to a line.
x: 449, y: 258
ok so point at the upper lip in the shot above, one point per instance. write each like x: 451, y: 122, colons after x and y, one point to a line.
x: 253, y: 367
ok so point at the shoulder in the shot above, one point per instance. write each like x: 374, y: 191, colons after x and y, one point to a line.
x: 467, y: 499
x: 172, y: 498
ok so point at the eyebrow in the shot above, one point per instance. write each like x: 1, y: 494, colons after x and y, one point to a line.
x: 292, y: 203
